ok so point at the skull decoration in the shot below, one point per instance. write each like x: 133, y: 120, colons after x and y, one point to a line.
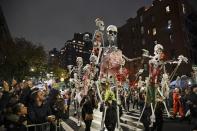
x: 93, y: 59
x: 86, y: 37
x: 112, y: 33
x: 100, y: 24
x: 158, y: 49
x: 79, y: 61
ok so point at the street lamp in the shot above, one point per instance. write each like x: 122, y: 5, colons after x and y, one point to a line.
x: 61, y: 79
x: 32, y: 69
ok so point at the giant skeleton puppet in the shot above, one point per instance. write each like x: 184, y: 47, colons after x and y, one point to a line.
x: 111, y: 64
x: 98, y: 40
x: 90, y: 73
x: 156, y: 89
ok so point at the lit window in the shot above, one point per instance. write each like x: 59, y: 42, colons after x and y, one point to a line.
x: 154, y: 31
x: 142, y: 30
x: 148, y: 32
x: 183, y: 7
x: 169, y: 24
x: 168, y: 8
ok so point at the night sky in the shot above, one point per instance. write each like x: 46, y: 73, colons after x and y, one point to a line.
x: 53, y: 22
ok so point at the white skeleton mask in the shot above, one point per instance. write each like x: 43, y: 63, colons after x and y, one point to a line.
x: 100, y: 24
x: 112, y: 33
x: 79, y: 61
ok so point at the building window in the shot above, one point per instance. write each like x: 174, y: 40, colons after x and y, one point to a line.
x: 169, y: 24
x: 142, y: 29
x: 183, y: 7
x: 154, y: 31
x: 167, y: 8
x: 141, y: 18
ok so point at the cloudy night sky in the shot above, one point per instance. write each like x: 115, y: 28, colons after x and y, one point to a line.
x: 53, y: 22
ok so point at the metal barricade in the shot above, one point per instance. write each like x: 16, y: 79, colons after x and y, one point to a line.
x: 39, y: 127
x: 46, y: 126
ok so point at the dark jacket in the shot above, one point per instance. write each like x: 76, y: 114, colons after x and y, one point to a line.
x: 39, y: 114
x: 14, y: 122
x: 111, y: 115
x: 193, y: 104
x: 88, y: 105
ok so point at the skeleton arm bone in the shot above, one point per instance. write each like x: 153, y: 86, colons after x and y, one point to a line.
x: 130, y: 60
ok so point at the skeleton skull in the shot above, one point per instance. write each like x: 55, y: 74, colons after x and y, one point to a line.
x: 86, y: 37
x: 100, y: 24
x: 158, y: 49
x: 79, y: 61
x: 112, y: 33
x: 93, y: 59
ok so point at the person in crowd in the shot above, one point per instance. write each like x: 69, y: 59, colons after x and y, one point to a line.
x: 4, y: 100
x: 158, y: 125
x: 177, y: 105
x: 145, y: 119
x: 17, y: 119
x: 26, y: 93
x: 39, y: 110
x: 192, y: 102
x: 67, y: 100
x: 135, y: 99
x: 186, y: 96
x: 88, y: 104
x: 111, y: 112
x: 78, y: 98
x: 128, y: 99
x: 142, y: 99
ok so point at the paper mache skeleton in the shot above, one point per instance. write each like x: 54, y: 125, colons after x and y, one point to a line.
x: 158, y: 89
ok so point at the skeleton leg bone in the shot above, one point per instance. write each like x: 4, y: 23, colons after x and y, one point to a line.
x: 164, y: 103
x: 152, y: 117
x: 103, y: 119
x: 138, y: 122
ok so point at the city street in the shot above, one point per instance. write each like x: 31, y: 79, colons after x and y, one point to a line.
x: 128, y: 122
x: 57, y: 55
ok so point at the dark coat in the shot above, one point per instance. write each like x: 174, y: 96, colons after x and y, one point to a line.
x: 39, y: 114
x: 88, y: 105
x: 111, y: 115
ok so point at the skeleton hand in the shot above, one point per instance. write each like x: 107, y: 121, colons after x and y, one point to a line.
x: 182, y: 58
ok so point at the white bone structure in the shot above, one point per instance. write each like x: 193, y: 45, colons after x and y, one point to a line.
x: 156, y: 64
